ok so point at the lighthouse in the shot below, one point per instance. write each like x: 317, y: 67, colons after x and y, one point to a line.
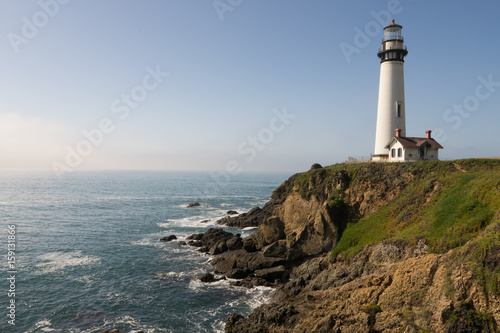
x: 391, y: 98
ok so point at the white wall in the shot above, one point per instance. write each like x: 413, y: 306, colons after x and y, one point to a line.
x: 391, y: 91
x: 411, y: 154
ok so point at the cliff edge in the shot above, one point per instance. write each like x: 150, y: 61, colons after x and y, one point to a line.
x: 411, y: 247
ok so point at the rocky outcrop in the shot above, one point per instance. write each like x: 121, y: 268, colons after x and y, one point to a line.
x: 209, y: 278
x: 385, y: 288
x: 168, y: 238
x: 250, y: 219
x: 389, y: 285
x: 215, y: 241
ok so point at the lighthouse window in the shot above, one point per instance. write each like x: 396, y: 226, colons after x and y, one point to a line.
x: 400, y: 152
x: 398, y: 109
x: 393, y: 152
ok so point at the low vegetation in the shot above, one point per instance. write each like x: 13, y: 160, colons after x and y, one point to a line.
x: 442, y: 204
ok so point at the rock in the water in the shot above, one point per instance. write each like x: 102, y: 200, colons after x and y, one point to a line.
x: 195, y: 237
x: 252, y: 218
x: 212, y: 237
x: 182, y: 243
x: 205, y: 221
x: 193, y: 204
x: 168, y: 238
x: 218, y: 248
x: 316, y: 166
x: 209, y: 278
x: 195, y: 243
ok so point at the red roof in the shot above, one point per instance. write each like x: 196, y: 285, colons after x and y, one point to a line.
x: 410, y: 142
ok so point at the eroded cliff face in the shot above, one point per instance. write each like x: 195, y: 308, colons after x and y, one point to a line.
x: 395, y: 285
x: 385, y: 288
x: 315, y: 212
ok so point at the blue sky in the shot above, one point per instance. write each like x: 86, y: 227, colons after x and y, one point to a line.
x: 251, y: 85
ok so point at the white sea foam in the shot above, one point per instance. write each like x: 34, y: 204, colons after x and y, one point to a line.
x: 218, y: 326
x: 258, y: 296
x: 43, y: 326
x: 249, y: 228
x: 55, y: 261
x: 125, y: 320
x: 180, y: 276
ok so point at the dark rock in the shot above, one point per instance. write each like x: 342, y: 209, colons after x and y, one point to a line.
x: 233, y: 319
x: 238, y: 273
x: 182, y: 243
x: 168, y: 238
x: 193, y: 204
x: 204, y: 249
x: 208, y: 278
x: 259, y: 261
x: 272, y: 230
x: 234, y: 243
x: 232, y: 212
x: 261, y: 319
x: 253, y: 218
x: 224, y: 263
x: 316, y: 166
x: 215, y: 235
x: 251, y: 282
x: 195, y: 236
x: 195, y: 243
x: 211, y: 237
x: 276, y: 249
x: 274, y: 273
x: 205, y: 221
x: 218, y: 248
x: 249, y: 244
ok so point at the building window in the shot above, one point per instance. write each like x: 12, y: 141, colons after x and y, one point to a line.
x: 400, y: 152
x: 398, y: 109
x: 393, y: 152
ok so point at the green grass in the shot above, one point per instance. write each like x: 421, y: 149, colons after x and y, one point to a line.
x: 461, y: 205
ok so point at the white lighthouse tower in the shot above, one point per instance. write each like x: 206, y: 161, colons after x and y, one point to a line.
x: 391, y: 98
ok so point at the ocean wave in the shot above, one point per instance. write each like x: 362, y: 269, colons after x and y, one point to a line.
x: 44, y: 326
x: 180, y: 276
x: 55, y: 261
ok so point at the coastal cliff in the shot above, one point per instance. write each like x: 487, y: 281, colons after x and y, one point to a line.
x: 411, y: 247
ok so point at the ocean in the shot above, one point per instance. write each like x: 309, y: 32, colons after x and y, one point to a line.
x: 86, y: 256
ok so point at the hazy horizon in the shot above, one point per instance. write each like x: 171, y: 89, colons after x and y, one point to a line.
x: 236, y: 85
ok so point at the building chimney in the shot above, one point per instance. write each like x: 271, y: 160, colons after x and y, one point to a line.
x: 398, y: 132
x: 428, y: 134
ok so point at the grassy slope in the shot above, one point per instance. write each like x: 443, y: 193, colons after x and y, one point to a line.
x: 448, y: 203
x: 446, y: 208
